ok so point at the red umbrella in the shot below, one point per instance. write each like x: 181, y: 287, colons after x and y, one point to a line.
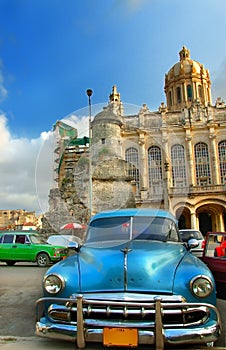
x: 72, y: 225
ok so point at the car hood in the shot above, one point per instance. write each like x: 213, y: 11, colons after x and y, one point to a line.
x: 135, y: 266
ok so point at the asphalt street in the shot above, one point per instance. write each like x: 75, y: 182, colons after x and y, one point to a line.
x: 19, y: 289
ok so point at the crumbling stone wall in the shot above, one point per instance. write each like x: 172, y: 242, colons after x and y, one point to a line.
x: 111, y: 189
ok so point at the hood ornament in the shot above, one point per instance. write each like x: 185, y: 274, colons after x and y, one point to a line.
x: 125, y: 251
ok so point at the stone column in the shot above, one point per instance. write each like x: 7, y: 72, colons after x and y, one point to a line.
x: 193, y: 220
x: 190, y: 170
x: 144, y: 185
x: 194, y: 91
x: 174, y: 97
x: 143, y: 163
x: 185, y: 93
x: 214, y: 158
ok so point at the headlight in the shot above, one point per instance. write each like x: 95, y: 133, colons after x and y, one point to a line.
x: 53, y: 284
x: 201, y: 286
x: 58, y: 251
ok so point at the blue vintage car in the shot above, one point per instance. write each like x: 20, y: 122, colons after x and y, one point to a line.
x: 132, y: 282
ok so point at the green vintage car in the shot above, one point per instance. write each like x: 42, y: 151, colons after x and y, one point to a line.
x: 29, y: 246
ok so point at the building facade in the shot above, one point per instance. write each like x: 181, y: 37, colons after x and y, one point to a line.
x: 17, y: 219
x: 176, y: 156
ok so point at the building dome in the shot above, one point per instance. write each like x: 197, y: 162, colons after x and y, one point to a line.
x: 113, y: 112
x: 187, y: 81
x: 107, y: 116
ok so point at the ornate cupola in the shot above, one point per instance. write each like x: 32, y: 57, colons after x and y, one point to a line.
x: 115, y: 101
x: 187, y: 82
x: 115, y: 95
x: 106, y: 126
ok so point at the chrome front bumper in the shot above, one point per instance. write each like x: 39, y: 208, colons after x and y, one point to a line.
x: 170, y: 336
x: 83, y: 331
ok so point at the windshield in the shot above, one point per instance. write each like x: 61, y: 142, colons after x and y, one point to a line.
x: 35, y: 239
x: 132, y: 228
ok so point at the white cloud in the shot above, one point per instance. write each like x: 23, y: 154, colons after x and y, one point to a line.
x: 27, y: 167
x: 80, y: 123
x: 22, y: 171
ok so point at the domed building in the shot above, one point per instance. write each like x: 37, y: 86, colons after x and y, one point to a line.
x: 187, y: 81
x: 107, y: 125
x: 175, y: 157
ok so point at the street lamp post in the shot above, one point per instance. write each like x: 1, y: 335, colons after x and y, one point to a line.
x: 89, y: 93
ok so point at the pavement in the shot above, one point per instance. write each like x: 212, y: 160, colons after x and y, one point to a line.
x: 35, y: 343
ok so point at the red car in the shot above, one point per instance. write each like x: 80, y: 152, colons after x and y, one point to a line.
x: 214, y: 256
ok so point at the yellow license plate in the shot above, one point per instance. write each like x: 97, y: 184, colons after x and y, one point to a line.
x: 120, y: 337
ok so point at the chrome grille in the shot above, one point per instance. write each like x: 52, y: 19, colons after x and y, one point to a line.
x: 131, y: 313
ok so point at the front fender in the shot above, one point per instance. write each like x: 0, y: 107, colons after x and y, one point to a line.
x: 68, y: 269
x: 190, y: 267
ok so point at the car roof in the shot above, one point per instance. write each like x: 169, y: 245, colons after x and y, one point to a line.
x: 21, y: 232
x: 134, y: 212
x: 188, y: 230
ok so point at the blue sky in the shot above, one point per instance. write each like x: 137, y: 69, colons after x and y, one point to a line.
x: 51, y: 51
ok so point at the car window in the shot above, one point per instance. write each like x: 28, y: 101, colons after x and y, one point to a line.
x: 186, y: 235
x: 20, y: 239
x: 7, y: 239
x: 27, y: 240
x: 36, y: 239
x: 127, y: 228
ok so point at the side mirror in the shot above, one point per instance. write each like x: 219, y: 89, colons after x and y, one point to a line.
x: 192, y: 243
x: 74, y: 246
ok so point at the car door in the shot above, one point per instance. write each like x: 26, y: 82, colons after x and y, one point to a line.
x: 6, y: 244
x: 214, y: 256
x: 21, y: 249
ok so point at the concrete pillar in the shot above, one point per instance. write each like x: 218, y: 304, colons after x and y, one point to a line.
x: 193, y: 221
x: 194, y: 91
x: 191, y: 168
x: 214, y: 161
x: 143, y: 164
x: 185, y: 92
x: 220, y: 220
x: 174, y: 97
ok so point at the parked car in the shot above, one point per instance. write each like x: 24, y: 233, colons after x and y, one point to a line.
x: 214, y: 256
x: 29, y: 246
x: 132, y: 282
x: 187, y: 234
x: 63, y: 240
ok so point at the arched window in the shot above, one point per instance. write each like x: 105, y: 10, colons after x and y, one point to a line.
x: 155, y: 169
x: 222, y: 159
x: 131, y: 156
x: 189, y: 92
x: 178, y: 165
x: 202, y: 164
x: 178, y: 95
